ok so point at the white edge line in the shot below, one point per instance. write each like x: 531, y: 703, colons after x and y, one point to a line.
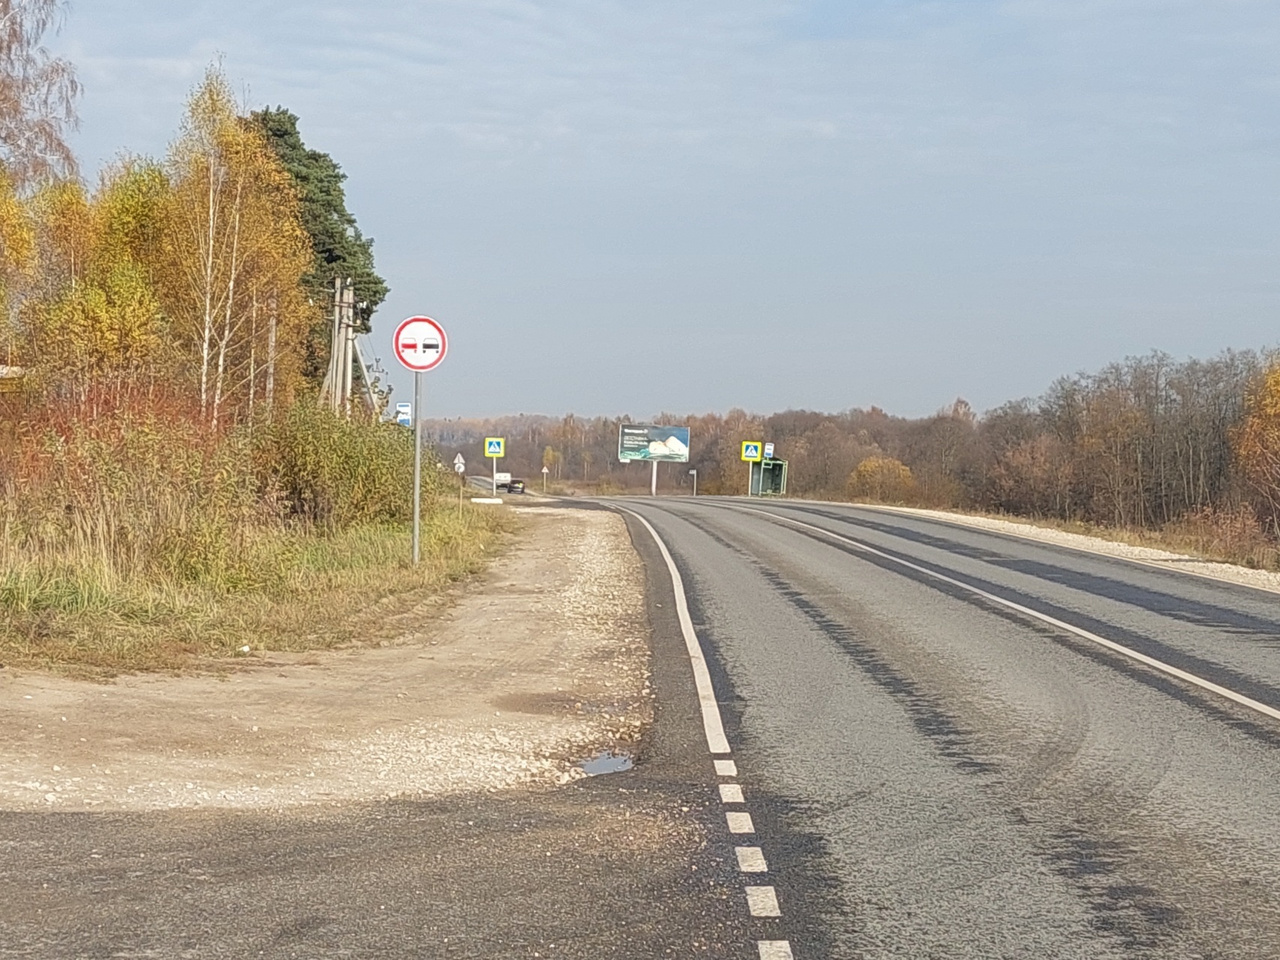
x: 958, y: 520
x: 712, y: 723
x: 1142, y: 658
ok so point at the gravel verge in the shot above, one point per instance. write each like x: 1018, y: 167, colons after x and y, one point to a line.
x: 542, y: 664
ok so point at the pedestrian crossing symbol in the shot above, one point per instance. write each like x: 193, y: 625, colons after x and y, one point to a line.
x: 751, y: 450
x: 495, y: 447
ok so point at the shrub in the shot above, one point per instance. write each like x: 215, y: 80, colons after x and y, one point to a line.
x: 337, y: 473
x: 884, y: 479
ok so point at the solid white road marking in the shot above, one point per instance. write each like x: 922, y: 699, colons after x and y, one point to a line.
x: 740, y: 822
x: 1119, y: 648
x: 775, y: 949
x: 751, y: 860
x: 731, y: 793
x: 712, y: 724
x: 763, y: 902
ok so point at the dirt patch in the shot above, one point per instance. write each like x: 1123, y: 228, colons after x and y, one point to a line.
x: 542, y: 664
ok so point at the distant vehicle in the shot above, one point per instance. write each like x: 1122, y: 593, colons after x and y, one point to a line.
x: 515, y: 486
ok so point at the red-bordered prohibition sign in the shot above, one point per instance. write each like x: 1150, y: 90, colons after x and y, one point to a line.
x: 420, y: 343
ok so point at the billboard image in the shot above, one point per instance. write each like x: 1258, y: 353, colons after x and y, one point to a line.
x: 645, y: 441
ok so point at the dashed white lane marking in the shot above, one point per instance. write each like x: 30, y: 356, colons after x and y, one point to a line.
x: 726, y: 768
x: 775, y: 949
x: 712, y: 724
x: 731, y: 793
x: 740, y: 822
x: 1119, y: 648
x: 751, y: 860
x: 763, y: 902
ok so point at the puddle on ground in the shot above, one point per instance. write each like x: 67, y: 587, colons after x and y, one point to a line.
x: 606, y: 762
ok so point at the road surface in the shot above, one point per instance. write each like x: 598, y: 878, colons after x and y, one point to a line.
x: 944, y: 758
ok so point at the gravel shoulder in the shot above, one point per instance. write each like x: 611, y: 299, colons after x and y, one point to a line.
x: 1185, y: 563
x: 540, y: 665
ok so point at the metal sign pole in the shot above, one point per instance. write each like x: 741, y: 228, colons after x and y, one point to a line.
x: 494, y: 461
x: 748, y: 478
x: 417, y: 466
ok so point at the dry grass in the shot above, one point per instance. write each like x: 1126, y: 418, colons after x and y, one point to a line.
x: 139, y: 541
x: 75, y: 621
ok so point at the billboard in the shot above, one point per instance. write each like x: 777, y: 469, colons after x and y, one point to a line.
x: 645, y: 441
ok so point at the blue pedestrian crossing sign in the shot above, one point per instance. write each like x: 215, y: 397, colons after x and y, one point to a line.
x: 751, y: 450
x: 495, y: 447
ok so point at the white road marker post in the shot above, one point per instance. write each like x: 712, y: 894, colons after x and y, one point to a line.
x: 653, y: 479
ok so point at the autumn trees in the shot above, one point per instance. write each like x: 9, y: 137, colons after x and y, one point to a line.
x: 37, y: 95
x: 233, y: 256
x: 1145, y: 442
x: 1257, y: 441
x: 184, y: 276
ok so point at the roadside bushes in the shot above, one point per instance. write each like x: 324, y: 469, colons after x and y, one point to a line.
x: 163, y: 498
x: 130, y: 495
x: 334, y: 473
x: 883, y: 479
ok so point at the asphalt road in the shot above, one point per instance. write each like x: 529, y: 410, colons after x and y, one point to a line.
x: 927, y: 772
x: 935, y: 774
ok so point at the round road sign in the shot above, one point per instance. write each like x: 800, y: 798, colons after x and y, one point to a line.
x: 420, y: 344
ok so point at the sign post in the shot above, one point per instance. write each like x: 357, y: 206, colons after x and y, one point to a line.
x: 495, y: 448
x: 420, y: 344
x: 545, y: 471
x: 752, y: 453
x: 460, y: 468
x: 694, y: 474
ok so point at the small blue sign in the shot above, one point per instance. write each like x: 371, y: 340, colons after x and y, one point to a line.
x: 404, y: 414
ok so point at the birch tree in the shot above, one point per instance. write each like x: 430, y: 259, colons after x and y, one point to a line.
x: 232, y: 240
x: 38, y: 92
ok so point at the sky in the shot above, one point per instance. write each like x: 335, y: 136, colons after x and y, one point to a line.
x: 621, y: 207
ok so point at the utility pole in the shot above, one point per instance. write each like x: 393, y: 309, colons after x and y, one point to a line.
x: 331, y: 389
x: 348, y: 343
x: 273, y: 306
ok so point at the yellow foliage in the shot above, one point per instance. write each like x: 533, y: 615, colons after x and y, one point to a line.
x: 233, y: 254
x: 94, y: 311
x: 17, y: 242
x: 1257, y: 440
x: 884, y: 479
